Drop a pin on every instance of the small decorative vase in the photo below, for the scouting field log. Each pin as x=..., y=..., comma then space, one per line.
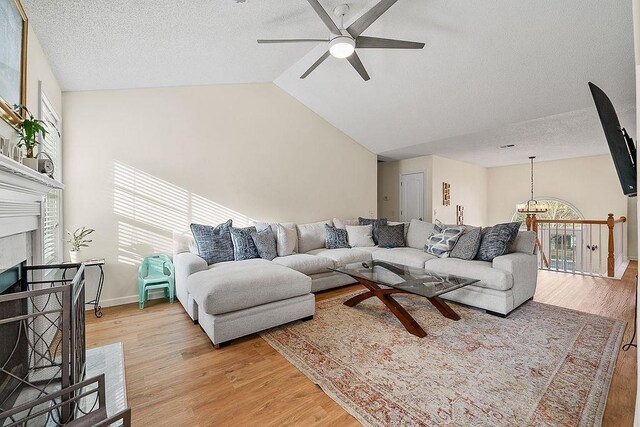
x=30, y=162
x=75, y=256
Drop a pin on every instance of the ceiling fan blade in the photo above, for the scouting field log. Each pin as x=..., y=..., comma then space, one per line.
x=354, y=60
x=324, y=16
x=263, y=41
x=369, y=17
x=364, y=42
x=315, y=65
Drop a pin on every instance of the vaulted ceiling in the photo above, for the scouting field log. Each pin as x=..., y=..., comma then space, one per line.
x=492, y=73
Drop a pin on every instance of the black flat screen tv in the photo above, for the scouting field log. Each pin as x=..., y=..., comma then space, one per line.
x=622, y=148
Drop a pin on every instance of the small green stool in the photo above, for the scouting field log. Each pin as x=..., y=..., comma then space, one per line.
x=156, y=272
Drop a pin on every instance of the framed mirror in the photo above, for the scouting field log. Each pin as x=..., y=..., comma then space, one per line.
x=13, y=59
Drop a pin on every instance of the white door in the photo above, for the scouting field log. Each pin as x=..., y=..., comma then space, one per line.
x=411, y=196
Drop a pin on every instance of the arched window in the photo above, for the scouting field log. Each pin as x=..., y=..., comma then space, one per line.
x=557, y=209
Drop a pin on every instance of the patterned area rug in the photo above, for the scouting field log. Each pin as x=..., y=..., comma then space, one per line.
x=543, y=365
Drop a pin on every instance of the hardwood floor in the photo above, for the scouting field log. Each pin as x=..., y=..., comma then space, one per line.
x=175, y=377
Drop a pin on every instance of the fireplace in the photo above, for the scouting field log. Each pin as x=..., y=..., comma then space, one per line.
x=14, y=352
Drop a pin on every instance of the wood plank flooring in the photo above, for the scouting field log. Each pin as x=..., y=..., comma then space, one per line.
x=175, y=377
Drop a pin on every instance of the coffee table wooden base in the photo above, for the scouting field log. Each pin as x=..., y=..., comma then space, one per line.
x=398, y=310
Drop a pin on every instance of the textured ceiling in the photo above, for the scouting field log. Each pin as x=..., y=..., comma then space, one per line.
x=492, y=73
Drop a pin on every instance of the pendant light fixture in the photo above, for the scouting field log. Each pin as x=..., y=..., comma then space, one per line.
x=532, y=206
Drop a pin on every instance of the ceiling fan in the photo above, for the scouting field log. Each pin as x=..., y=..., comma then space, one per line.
x=343, y=42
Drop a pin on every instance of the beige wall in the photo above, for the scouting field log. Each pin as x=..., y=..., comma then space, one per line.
x=588, y=183
x=140, y=164
x=468, y=188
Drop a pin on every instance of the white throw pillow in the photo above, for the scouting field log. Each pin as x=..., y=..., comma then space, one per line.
x=360, y=236
x=342, y=223
x=286, y=239
x=418, y=234
x=312, y=236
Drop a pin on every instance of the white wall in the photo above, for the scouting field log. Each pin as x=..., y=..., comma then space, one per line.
x=468, y=188
x=140, y=164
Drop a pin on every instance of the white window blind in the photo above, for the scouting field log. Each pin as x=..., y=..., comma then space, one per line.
x=51, y=233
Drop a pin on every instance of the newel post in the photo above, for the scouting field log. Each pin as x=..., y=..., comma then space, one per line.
x=611, y=259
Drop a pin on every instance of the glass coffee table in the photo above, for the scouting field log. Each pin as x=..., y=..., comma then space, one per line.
x=383, y=279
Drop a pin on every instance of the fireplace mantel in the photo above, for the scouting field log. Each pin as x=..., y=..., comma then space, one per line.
x=22, y=192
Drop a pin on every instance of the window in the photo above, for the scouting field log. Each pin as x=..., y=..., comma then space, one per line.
x=51, y=230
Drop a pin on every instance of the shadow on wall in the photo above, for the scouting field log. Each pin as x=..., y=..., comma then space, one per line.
x=149, y=210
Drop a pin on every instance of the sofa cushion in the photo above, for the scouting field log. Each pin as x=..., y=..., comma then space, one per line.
x=231, y=286
x=525, y=242
x=418, y=234
x=405, y=256
x=287, y=239
x=343, y=257
x=336, y=238
x=214, y=243
x=305, y=263
x=311, y=236
x=360, y=235
x=490, y=278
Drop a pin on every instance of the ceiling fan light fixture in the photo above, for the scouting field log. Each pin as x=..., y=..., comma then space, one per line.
x=342, y=47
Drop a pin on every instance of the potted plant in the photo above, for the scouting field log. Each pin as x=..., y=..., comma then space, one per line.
x=78, y=240
x=29, y=130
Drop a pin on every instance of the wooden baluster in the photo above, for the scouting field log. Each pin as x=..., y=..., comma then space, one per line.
x=611, y=259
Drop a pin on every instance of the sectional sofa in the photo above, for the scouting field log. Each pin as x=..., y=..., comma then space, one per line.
x=236, y=298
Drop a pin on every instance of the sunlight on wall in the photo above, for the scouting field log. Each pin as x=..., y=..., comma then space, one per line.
x=150, y=210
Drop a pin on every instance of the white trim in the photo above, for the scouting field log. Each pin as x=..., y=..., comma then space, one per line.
x=113, y=302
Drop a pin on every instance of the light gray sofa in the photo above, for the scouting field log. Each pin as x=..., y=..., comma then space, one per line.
x=237, y=298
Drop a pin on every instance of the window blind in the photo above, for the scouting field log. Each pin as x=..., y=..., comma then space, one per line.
x=50, y=144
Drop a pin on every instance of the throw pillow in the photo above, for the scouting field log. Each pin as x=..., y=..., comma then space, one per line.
x=265, y=242
x=336, y=238
x=391, y=236
x=243, y=246
x=360, y=236
x=287, y=239
x=497, y=240
x=467, y=246
x=214, y=243
x=442, y=240
x=375, y=223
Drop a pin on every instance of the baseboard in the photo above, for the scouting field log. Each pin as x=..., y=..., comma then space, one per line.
x=112, y=302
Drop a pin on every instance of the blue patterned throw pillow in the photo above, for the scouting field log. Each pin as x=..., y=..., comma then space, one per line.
x=243, y=246
x=265, y=242
x=468, y=244
x=335, y=238
x=214, y=243
x=391, y=236
x=497, y=240
x=442, y=240
x=375, y=223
